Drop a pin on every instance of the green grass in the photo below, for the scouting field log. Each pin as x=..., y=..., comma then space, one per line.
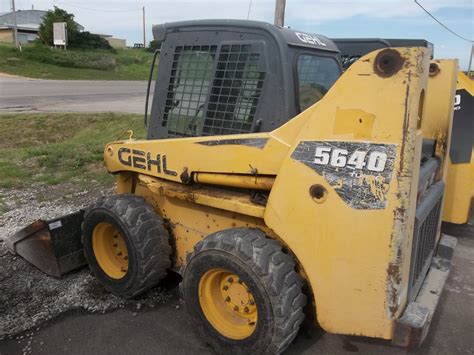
x=37, y=61
x=55, y=148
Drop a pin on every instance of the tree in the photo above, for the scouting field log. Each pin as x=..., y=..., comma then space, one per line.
x=57, y=15
x=154, y=45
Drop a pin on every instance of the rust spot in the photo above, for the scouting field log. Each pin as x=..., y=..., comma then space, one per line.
x=388, y=62
x=394, y=279
x=185, y=178
x=405, y=123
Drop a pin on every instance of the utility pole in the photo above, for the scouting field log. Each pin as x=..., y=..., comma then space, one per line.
x=280, y=13
x=470, y=62
x=144, y=37
x=15, y=26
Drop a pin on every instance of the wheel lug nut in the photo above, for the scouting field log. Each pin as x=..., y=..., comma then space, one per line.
x=225, y=288
x=230, y=279
x=236, y=308
x=246, y=310
x=227, y=299
x=252, y=302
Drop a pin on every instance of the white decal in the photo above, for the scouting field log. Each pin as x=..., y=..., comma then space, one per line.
x=339, y=158
x=457, y=102
x=321, y=156
x=310, y=39
x=55, y=225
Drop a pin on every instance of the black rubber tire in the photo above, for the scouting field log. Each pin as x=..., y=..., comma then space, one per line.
x=145, y=236
x=271, y=277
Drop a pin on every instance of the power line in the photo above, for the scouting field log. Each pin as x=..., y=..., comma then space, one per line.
x=100, y=10
x=443, y=25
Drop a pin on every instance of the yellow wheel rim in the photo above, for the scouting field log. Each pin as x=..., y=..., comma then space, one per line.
x=110, y=250
x=228, y=304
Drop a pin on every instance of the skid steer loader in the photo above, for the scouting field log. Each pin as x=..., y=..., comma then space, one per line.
x=334, y=215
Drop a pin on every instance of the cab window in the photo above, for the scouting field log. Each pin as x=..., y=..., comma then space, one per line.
x=316, y=75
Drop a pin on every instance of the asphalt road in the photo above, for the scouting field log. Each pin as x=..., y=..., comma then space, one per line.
x=35, y=95
x=166, y=329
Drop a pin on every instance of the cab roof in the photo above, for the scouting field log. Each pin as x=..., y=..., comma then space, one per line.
x=283, y=35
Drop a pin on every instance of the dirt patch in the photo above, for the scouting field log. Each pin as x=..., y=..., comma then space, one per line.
x=28, y=298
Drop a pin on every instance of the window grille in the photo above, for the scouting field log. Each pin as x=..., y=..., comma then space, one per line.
x=235, y=91
x=191, y=75
x=194, y=107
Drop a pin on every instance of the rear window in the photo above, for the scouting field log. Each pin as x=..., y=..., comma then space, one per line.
x=316, y=75
x=203, y=102
x=191, y=77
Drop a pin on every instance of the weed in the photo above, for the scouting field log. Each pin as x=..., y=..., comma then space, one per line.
x=38, y=61
x=57, y=148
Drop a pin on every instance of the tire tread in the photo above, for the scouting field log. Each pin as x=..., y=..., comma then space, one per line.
x=148, y=234
x=276, y=270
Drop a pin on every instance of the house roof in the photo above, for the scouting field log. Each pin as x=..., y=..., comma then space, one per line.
x=31, y=19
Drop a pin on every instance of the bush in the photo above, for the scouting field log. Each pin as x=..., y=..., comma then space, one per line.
x=71, y=59
x=87, y=40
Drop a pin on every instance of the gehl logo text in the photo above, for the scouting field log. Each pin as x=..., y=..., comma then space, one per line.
x=144, y=160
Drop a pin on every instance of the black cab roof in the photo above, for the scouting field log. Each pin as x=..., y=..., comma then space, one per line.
x=283, y=35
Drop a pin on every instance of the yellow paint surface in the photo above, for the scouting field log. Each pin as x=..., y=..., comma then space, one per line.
x=355, y=261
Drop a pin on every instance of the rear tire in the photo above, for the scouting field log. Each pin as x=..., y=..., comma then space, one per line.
x=126, y=244
x=233, y=271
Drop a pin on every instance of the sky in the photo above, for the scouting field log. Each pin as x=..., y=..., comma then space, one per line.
x=332, y=18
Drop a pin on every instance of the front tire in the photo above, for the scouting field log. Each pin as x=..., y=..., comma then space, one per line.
x=126, y=244
x=243, y=292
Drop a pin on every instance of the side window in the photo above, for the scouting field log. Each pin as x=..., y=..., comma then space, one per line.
x=316, y=75
x=191, y=76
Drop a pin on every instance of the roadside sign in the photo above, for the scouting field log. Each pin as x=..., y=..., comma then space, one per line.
x=60, y=33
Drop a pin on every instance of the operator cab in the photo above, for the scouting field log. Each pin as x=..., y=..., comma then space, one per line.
x=220, y=77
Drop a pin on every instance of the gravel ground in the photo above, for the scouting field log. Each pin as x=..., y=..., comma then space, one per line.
x=29, y=298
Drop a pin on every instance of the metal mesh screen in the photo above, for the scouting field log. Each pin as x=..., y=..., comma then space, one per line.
x=195, y=107
x=424, y=240
x=235, y=91
x=190, y=79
